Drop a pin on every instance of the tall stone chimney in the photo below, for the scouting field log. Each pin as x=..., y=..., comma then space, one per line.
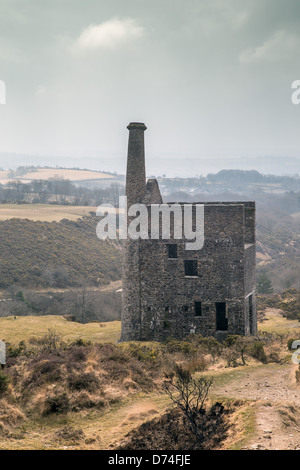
x=136, y=173
x=135, y=191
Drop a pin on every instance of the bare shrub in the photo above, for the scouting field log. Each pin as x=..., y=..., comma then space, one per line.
x=189, y=395
x=52, y=341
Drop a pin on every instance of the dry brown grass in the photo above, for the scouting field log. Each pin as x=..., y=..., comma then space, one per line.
x=71, y=378
x=10, y=416
x=128, y=379
x=15, y=329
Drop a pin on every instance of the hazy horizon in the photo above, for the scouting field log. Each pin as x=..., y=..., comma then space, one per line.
x=158, y=167
x=210, y=79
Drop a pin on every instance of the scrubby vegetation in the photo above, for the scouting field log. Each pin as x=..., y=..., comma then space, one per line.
x=56, y=190
x=43, y=254
x=171, y=431
x=288, y=302
x=50, y=378
x=80, y=304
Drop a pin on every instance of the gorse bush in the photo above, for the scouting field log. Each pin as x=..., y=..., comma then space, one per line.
x=257, y=351
x=144, y=353
x=185, y=347
x=4, y=382
x=15, y=351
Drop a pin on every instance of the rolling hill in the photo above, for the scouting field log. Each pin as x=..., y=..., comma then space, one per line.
x=59, y=254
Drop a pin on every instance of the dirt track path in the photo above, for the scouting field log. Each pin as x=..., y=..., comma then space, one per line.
x=272, y=382
x=277, y=404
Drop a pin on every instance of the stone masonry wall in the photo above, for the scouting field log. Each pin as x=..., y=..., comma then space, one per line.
x=166, y=298
x=160, y=298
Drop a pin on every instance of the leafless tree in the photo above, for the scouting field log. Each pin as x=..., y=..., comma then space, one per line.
x=83, y=303
x=190, y=395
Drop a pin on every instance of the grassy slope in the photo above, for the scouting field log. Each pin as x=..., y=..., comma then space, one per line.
x=16, y=329
x=101, y=428
x=29, y=248
x=274, y=322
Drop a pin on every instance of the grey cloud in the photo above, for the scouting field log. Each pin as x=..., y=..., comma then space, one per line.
x=209, y=77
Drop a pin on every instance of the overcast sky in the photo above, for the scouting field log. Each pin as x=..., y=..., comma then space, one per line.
x=210, y=78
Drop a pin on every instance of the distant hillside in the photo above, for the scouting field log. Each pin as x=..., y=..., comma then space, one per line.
x=59, y=254
x=244, y=182
x=44, y=212
x=238, y=175
x=36, y=173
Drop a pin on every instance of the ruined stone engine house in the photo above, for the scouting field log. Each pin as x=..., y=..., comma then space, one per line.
x=169, y=291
